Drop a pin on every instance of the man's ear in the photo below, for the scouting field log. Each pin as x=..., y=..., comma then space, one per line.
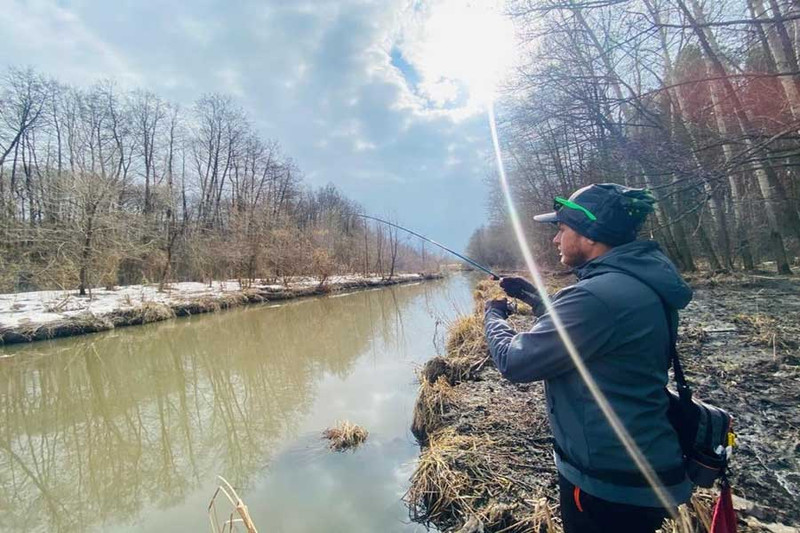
x=601, y=247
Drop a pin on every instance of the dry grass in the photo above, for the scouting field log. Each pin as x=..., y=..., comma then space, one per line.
x=454, y=369
x=212, y=304
x=233, y=299
x=486, y=290
x=693, y=517
x=440, y=484
x=433, y=402
x=480, y=468
x=155, y=312
x=466, y=351
x=763, y=330
x=455, y=483
x=436, y=367
x=239, y=508
x=345, y=436
x=465, y=339
x=542, y=517
x=205, y=304
x=82, y=323
x=58, y=306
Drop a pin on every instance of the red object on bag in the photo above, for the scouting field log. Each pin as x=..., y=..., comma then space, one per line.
x=724, y=520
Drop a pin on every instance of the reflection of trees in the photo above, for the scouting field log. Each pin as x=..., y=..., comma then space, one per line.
x=96, y=428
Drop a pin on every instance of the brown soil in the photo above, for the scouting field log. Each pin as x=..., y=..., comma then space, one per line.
x=486, y=460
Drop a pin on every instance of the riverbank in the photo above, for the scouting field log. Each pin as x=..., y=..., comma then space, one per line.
x=33, y=316
x=486, y=460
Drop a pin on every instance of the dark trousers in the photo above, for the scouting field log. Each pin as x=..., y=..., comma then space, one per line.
x=583, y=513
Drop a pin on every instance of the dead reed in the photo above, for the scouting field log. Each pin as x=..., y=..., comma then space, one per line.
x=239, y=508
x=345, y=436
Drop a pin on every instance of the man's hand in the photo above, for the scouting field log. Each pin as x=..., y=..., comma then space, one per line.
x=521, y=289
x=500, y=304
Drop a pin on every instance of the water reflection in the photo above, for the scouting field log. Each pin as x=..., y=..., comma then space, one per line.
x=99, y=430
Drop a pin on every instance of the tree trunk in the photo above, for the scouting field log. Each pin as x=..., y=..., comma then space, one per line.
x=86, y=253
x=781, y=58
x=764, y=172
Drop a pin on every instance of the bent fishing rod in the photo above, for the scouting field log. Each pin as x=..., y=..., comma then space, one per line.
x=443, y=247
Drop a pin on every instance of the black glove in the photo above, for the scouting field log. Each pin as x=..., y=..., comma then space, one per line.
x=523, y=290
x=500, y=305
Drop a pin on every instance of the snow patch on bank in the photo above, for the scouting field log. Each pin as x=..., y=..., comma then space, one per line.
x=32, y=309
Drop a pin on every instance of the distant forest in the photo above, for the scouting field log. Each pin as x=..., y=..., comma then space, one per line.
x=100, y=186
x=697, y=101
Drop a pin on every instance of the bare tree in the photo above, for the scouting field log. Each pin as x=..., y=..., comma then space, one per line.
x=104, y=186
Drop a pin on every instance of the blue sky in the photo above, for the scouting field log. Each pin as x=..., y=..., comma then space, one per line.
x=376, y=97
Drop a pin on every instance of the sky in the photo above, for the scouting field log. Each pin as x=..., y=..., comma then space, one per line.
x=385, y=98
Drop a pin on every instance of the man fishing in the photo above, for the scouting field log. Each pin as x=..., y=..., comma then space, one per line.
x=616, y=317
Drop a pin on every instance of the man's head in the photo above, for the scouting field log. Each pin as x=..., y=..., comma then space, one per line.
x=575, y=249
x=596, y=218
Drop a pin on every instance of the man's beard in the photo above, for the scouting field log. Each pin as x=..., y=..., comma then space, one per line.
x=575, y=259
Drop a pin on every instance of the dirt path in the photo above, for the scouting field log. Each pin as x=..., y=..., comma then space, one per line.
x=486, y=461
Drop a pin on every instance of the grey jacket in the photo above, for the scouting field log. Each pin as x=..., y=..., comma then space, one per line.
x=616, y=320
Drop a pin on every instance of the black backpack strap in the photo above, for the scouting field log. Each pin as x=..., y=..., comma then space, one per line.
x=684, y=391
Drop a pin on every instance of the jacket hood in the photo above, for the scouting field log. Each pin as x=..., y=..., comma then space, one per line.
x=644, y=261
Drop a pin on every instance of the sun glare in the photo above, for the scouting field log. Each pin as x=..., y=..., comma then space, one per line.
x=461, y=50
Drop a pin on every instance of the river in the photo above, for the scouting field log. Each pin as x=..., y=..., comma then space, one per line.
x=128, y=430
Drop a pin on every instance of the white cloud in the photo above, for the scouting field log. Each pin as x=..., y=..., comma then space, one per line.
x=231, y=79
x=60, y=43
x=360, y=145
x=452, y=161
x=200, y=31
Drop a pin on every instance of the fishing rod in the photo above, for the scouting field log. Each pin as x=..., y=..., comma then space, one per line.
x=443, y=247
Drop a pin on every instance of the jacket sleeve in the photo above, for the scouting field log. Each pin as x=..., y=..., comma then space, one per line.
x=540, y=354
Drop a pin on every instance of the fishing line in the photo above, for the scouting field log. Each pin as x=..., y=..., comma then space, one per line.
x=442, y=246
x=616, y=424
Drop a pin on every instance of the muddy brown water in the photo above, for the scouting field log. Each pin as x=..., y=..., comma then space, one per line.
x=127, y=430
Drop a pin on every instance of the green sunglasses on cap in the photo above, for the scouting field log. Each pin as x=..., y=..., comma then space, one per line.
x=560, y=202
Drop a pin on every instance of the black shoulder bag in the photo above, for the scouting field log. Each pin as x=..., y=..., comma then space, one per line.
x=704, y=431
